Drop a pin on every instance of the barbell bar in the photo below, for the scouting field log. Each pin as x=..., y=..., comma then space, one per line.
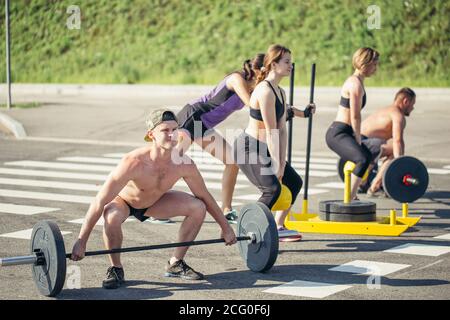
x=257, y=238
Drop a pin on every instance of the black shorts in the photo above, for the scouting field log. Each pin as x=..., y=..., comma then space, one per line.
x=189, y=120
x=137, y=213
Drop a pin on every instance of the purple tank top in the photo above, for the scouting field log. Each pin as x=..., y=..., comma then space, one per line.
x=218, y=104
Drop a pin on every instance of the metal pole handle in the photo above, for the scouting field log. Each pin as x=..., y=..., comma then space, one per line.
x=308, y=142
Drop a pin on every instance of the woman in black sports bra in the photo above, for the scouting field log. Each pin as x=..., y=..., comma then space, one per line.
x=344, y=134
x=260, y=151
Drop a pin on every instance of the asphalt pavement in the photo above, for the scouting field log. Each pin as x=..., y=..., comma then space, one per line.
x=79, y=132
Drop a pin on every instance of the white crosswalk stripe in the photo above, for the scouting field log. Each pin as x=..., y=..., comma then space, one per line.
x=45, y=196
x=24, y=210
x=58, y=165
x=25, y=234
x=53, y=174
x=50, y=184
x=438, y=171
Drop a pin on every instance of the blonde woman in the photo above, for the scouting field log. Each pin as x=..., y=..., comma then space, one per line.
x=344, y=134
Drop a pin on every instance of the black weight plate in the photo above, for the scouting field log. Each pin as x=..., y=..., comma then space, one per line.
x=348, y=217
x=338, y=206
x=261, y=255
x=51, y=275
x=393, y=179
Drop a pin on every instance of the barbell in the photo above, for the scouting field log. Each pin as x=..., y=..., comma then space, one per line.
x=404, y=180
x=257, y=238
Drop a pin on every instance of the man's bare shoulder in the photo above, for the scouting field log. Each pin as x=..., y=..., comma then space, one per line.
x=135, y=158
x=395, y=113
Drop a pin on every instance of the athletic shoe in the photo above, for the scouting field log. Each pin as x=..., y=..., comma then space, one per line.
x=181, y=270
x=231, y=216
x=159, y=221
x=286, y=235
x=363, y=188
x=114, y=278
x=377, y=194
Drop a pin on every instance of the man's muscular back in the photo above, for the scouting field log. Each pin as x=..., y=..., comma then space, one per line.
x=381, y=123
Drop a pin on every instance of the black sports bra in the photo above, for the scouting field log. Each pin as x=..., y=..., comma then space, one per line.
x=345, y=102
x=279, y=107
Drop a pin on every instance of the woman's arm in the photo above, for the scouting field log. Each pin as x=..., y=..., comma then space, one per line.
x=238, y=84
x=266, y=100
x=295, y=112
x=355, y=96
x=283, y=140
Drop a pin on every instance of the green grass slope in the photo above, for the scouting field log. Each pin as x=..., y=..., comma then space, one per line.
x=198, y=41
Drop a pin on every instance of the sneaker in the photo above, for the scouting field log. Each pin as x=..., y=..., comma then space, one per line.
x=231, y=216
x=181, y=270
x=363, y=189
x=286, y=235
x=114, y=278
x=159, y=221
x=377, y=194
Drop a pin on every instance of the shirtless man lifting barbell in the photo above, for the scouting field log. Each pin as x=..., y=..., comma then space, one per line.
x=384, y=129
x=141, y=186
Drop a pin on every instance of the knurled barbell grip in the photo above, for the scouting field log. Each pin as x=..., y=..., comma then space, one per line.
x=159, y=246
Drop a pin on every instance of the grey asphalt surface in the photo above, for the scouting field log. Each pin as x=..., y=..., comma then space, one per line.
x=92, y=125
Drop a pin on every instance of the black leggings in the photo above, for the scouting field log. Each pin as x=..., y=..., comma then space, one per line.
x=253, y=158
x=340, y=139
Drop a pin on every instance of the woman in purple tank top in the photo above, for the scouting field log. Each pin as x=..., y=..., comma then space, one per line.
x=198, y=119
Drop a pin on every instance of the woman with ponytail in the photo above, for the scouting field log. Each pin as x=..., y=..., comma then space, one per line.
x=198, y=119
x=260, y=151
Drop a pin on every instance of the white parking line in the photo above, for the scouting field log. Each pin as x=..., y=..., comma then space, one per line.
x=58, y=165
x=438, y=171
x=25, y=234
x=24, y=210
x=308, y=289
x=89, y=160
x=420, y=249
x=45, y=196
x=332, y=185
x=443, y=237
x=50, y=184
x=53, y=174
x=370, y=267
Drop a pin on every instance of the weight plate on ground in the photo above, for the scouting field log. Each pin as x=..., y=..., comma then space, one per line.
x=348, y=217
x=399, y=168
x=338, y=206
x=355, y=211
x=51, y=275
x=261, y=255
